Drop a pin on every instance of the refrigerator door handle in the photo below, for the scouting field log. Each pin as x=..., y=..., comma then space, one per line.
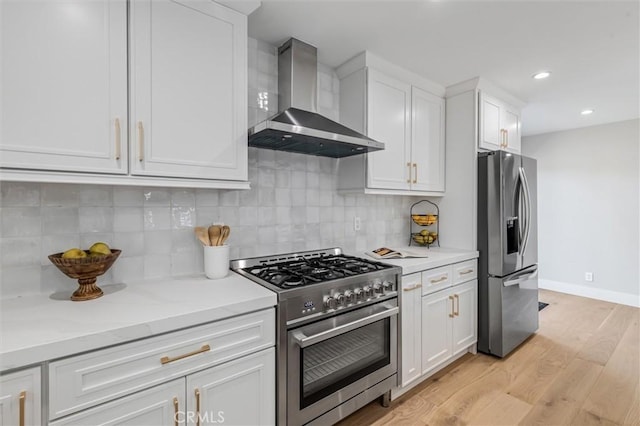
x=527, y=206
x=520, y=278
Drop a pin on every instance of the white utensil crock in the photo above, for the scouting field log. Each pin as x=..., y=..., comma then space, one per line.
x=216, y=261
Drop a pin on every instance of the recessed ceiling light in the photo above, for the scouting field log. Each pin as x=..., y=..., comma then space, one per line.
x=541, y=75
x=587, y=112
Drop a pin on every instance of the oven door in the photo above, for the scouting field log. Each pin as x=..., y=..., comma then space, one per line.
x=333, y=360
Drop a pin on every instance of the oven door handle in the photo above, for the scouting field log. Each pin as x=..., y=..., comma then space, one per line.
x=303, y=340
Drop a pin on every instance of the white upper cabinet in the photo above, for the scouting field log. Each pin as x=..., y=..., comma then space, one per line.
x=427, y=141
x=389, y=121
x=63, y=85
x=189, y=90
x=405, y=112
x=499, y=124
x=73, y=71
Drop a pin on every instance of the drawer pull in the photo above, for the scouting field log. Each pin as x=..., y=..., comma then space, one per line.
x=176, y=408
x=197, y=407
x=468, y=271
x=457, y=311
x=442, y=278
x=412, y=287
x=166, y=359
x=452, y=307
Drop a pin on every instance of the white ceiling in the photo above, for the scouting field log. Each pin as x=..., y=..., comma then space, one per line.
x=592, y=48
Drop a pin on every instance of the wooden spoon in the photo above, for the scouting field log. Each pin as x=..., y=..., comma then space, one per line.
x=225, y=234
x=214, y=234
x=202, y=235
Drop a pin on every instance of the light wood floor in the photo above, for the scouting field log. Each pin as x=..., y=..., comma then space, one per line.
x=582, y=367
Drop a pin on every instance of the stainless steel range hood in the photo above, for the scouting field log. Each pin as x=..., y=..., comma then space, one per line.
x=298, y=127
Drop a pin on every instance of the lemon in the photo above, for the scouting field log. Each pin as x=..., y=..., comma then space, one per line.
x=74, y=253
x=100, y=249
x=424, y=233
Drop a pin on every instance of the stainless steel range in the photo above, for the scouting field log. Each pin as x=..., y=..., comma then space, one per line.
x=337, y=341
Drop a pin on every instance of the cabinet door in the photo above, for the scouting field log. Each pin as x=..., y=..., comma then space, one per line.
x=20, y=398
x=160, y=405
x=189, y=90
x=411, y=328
x=437, y=312
x=465, y=320
x=427, y=141
x=240, y=392
x=63, y=85
x=511, y=123
x=388, y=121
x=490, y=133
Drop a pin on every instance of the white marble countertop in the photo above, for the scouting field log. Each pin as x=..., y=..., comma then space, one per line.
x=38, y=328
x=437, y=256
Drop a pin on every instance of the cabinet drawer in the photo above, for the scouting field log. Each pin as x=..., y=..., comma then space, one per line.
x=465, y=271
x=436, y=279
x=82, y=381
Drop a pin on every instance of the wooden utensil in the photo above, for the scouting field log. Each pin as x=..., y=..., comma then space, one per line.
x=203, y=235
x=225, y=234
x=214, y=234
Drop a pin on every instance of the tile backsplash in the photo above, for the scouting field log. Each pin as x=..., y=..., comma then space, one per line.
x=292, y=205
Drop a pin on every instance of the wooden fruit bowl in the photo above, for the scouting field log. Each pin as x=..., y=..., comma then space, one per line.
x=86, y=270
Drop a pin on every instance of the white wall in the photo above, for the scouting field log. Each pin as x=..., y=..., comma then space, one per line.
x=588, y=190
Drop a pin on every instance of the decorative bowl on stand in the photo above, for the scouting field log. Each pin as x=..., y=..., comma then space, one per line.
x=86, y=270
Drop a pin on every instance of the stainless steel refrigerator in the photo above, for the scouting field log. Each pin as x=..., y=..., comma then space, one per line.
x=508, y=246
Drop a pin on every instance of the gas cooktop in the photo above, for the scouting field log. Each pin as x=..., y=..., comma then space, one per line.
x=290, y=271
x=307, y=270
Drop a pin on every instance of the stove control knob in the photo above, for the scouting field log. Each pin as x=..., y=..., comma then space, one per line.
x=368, y=291
x=359, y=294
x=377, y=289
x=387, y=286
x=349, y=296
x=330, y=303
x=340, y=299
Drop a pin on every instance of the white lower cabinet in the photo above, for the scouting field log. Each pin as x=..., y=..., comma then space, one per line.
x=410, y=323
x=240, y=392
x=221, y=372
x=436, y=329
x=439, y=320
x=20, y=402
x=449, y=323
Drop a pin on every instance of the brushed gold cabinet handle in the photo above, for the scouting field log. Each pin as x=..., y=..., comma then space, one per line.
x=457, y=311
x=412, y=288
x=197, y=407
x=118, y=138
x=140, y=141
x=442, y=278
x=415, y=170
x=175, y=410
x=452, y=307
x=409, y=165
x=166, y=359
x=23, y=397
x=468, y=271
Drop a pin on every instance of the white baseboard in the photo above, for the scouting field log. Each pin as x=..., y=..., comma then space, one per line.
x=628, y=299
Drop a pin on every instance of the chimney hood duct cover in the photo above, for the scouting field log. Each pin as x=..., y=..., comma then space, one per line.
x=297, y=127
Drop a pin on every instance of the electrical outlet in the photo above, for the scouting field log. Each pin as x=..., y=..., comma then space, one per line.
x=588, y=276
x=356, y=223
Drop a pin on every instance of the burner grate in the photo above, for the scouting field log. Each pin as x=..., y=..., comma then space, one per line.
x=307, y=270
